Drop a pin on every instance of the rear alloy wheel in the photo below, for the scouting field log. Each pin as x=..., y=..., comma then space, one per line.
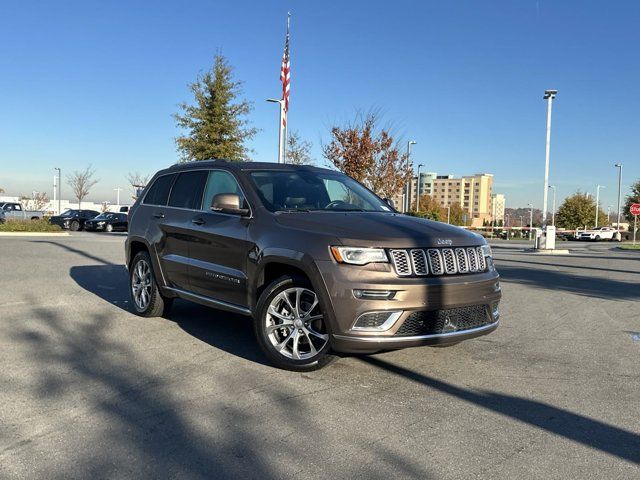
x=145, y=295
x=290, y=325
x=75, y=226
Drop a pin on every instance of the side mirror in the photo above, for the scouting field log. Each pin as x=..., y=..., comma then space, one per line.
x=228, y=203
x=389, y=202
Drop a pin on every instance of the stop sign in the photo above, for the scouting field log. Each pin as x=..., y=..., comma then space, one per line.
x=635, y=209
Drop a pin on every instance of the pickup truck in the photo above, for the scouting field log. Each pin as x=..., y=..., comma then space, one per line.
x=14, y=211
x=599, y=233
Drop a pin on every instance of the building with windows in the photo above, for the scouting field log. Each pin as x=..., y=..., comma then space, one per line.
x=497, y=209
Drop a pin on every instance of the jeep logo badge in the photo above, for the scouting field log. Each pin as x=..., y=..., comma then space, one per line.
x=444, y=241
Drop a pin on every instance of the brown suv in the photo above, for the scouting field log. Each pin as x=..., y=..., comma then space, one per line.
x=319, y=261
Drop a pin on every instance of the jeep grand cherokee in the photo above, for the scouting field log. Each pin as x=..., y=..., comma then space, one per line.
x=320, y=262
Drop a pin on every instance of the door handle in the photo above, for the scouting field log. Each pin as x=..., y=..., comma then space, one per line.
x=158, y=215
x=198, y=221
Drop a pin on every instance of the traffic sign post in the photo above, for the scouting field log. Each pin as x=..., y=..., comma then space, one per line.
x=635, y=211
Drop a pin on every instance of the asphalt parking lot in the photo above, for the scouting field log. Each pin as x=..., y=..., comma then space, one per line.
x=90, y=390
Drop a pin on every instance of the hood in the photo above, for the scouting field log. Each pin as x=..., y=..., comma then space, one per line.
x=378, y=229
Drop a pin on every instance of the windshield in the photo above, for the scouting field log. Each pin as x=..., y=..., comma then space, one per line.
x=307, y=190
x=104, y=216
x=68, y=213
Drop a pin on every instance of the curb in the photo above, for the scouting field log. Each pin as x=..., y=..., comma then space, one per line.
x=34, y=234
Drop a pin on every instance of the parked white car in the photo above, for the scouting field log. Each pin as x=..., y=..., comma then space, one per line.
x=599, y=233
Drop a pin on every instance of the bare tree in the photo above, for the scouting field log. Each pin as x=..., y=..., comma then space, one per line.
x=1, y=190
x=137, y=182
x=369, y=155
x=37, y=201
x=81, y=182
x=298, y=150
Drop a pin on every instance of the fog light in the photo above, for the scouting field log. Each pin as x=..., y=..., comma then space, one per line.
x=376, y=321
x=374, y=294
x=495, y=311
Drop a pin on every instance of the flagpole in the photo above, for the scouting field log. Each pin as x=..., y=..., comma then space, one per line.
x=285, y=125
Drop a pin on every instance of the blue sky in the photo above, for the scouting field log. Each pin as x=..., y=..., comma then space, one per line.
x=97, y=82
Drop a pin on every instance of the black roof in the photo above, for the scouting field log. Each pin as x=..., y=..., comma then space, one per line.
x=244, y=166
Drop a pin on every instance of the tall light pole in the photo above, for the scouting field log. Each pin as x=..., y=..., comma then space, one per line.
x=531, y=220
x=553, y=208
x=521, y=217
x=608, y=213
x=118, y=195
x=407, y=189
x=619, y=167
x=59, y=189
x=449, y=212
x=549, y=95
x=418, y=189
x=598, y=187
x=281, y=141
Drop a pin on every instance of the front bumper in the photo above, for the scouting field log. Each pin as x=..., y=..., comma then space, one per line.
x=414, y=294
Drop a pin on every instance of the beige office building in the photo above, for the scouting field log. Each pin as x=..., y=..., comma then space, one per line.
x=473, y=193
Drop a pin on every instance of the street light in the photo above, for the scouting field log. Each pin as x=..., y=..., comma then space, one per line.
x=598, y=187
x=449, y=212
x=531, y=220
x=281, y=148
x=59, y=189
x=118, y=195
x=549, y=95
x=408, y=187
x=608, y=213
x=521, y=217
x=553, y=210
x=418, y=189
x=619, y=167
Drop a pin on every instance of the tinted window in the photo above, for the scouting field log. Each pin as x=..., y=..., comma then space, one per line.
x=220, y=182
x=314, y=190
x=187, y=190
x=158, y=194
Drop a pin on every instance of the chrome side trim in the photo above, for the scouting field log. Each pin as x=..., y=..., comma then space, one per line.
x=393, y=339
x=394, y=315
x=209, y=301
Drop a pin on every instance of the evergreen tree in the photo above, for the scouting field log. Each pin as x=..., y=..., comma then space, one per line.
x=216, y=124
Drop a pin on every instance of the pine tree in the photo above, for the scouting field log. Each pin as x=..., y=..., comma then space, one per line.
x=216, y=125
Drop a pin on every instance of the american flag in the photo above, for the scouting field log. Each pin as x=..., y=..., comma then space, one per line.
x=285, y=76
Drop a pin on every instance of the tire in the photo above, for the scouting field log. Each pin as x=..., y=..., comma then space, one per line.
x=75, y=226
x=108, y=228
x=597, y=238
x=143, y=289
x=302, y=343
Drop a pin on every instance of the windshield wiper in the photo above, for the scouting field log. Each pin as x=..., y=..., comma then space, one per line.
x=292, y=210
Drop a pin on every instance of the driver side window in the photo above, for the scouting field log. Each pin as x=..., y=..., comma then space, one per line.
x=220, y=181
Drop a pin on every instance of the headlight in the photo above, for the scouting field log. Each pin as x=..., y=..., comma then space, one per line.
x=359, y=255
x=486, y=250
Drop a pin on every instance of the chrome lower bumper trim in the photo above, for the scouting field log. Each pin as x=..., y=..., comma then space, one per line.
x=393, y=339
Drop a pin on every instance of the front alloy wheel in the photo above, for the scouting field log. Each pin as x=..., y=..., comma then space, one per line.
x=291, y=326
x=145, y=294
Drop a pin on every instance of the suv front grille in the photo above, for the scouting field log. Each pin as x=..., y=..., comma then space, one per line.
x=438, y=261
x=445, y=321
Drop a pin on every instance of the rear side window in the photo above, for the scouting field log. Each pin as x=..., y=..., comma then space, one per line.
x=187, y=190
x=158, y=194
x=220, y=182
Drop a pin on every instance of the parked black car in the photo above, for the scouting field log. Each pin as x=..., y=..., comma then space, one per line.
x=74, y=220
x=108, y=222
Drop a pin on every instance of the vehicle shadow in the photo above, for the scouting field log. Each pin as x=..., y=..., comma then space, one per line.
x=127, y=418
x=578, y=428
x=227, y=331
